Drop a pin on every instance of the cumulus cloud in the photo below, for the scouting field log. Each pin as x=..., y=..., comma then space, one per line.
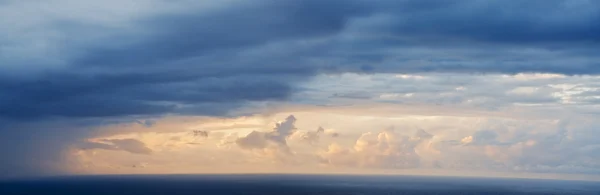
x=278, y=136
x=385, y=149
x=522, y=149
x=254, y=140
x=511, y=147
x=313, y=137
x=479, y=144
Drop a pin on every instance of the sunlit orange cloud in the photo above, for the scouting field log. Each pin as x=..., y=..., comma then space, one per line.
x=455, y=143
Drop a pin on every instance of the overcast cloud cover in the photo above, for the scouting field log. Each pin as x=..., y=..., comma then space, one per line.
x=68, y=66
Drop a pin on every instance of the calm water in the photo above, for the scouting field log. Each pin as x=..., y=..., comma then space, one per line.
x=290, y=185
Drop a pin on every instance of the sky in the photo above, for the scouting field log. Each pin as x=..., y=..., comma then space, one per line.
x=436, y=87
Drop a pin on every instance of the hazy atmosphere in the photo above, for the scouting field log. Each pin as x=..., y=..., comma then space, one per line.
x=490, y=88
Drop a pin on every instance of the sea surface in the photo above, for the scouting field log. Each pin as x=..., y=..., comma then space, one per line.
x=289, y=185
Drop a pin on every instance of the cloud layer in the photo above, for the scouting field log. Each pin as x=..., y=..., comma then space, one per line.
x=149, y=58
x=446, y=143
x=84, y=65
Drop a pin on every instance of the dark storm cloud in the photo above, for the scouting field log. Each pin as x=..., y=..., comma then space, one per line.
x=101, y=96
x=183, y=58
x=515, y=22
x=178, y=36
x=490, y=36
x=250, y=52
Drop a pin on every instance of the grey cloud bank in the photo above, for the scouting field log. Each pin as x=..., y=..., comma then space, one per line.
x=163, y=59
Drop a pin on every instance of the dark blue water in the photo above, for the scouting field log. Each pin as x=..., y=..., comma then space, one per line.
x=290, y=185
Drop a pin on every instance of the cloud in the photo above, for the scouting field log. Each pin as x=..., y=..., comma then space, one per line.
x=278, y=136
x=520, y=147
x=528, y=92
x=171, y=60
x=128, y=145
x=506, y=145
x=200, y=133
x=96, y=145
x=496, y=21
x=385, y=149
x=66, y=60
x=509, y=145
x=254, y=140
x=147, y=123
x=484, y=137
x=310, y=137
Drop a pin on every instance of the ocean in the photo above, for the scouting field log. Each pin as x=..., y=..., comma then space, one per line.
x=256, y=184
